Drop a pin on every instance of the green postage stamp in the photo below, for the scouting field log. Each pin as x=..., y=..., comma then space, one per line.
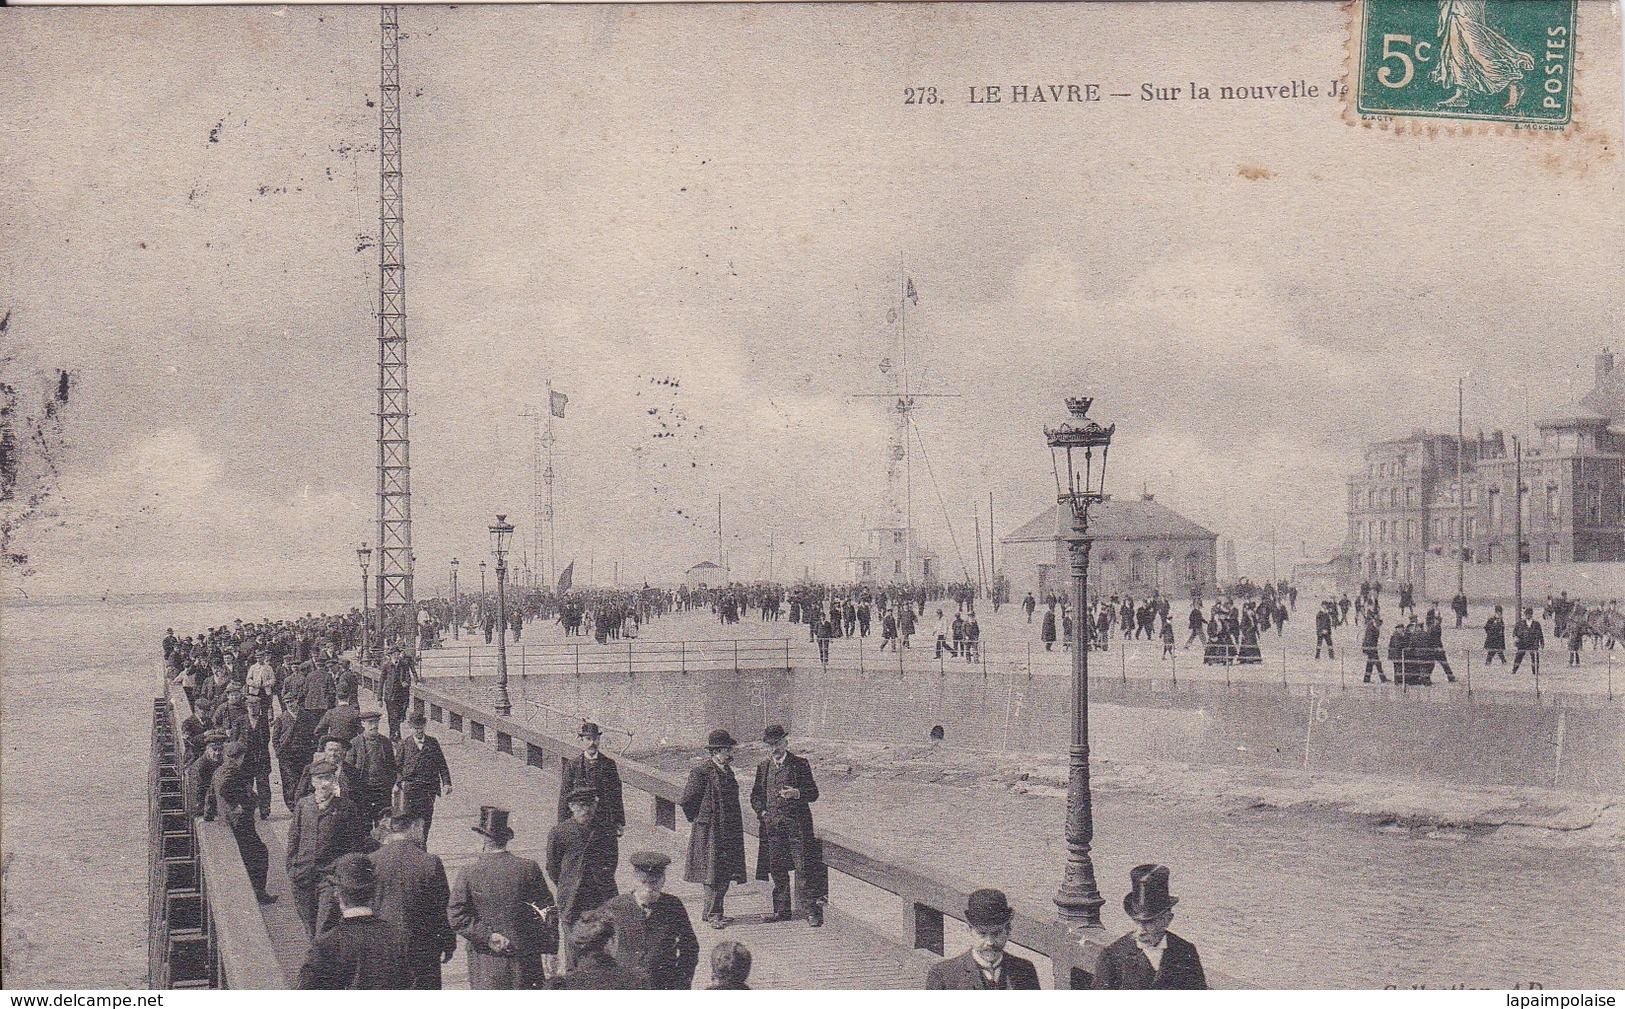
x=1508, y=61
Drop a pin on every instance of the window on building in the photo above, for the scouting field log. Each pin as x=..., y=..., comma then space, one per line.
x=897, y=537
x=1450, y=526
x=925, y=569
x=1472, y=527
x=1495, y=508
x=897, y=567
x=1193, y=568
x=1410, y=496
x=1551, y=503
x=1410, y=530
x=1551, y=552
x=1594, y=503
x=868, y=569
x=1136, y=568
x=1393, y=497
x=1370, y=499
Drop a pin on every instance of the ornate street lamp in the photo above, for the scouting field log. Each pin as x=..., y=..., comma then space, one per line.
x=1080, y=481
x=456, y=620
x=363, y=554
x=501, y=533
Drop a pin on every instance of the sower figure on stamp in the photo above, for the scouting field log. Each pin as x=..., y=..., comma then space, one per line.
x=716, y=843
x=1151, y=956
x=502, y=906
x=985, y=966
x=594, y=770
x=780, y=795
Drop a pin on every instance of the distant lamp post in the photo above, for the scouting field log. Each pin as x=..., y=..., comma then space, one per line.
x=363, y=554
x=482, y=583
x=501, y=534
x=1080, y=481
x=456, y=620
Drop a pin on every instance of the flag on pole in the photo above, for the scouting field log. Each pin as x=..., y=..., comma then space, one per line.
x=567, y=576
x=555, y=403
x=913, y=295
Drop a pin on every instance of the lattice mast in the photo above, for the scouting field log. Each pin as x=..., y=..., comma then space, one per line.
x=396, y=609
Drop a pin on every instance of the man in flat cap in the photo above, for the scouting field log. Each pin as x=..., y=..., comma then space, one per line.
x=985, y=966
x=653, y=932
x=423, y=773
x=342, y=720
x=1151, y=956
x=362, y=949
x=326, y=826
x=413, y=892
x=592, y=769
x=200, y=775
x=502, y=906
x=716, y=842
x=785, y=840
x=373, y=758
x=336, y=751
x=574, y=857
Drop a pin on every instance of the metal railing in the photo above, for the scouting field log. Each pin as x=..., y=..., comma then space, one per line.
x=628, y=655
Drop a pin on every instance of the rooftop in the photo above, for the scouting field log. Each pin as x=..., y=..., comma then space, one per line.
x=1117, y=519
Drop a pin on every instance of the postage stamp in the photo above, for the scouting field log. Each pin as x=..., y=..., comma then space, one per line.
x=1505, y=61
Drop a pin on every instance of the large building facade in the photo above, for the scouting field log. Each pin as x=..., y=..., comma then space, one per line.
x=1407, y=502
x=1140, y=547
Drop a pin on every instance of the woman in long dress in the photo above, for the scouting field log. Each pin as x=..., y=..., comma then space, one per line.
x=1473, y=57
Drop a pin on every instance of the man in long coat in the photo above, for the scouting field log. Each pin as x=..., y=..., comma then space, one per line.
x=1151, y=956
x=653, y=933
x=413, y=893
x=574, y=855
x=502, y=906
x=326, y=826
x=716, y=842
x=592, y=769
x=423, y=772
x=780, y=795
x=396, y=690
x=362, y=949
x=373, y=757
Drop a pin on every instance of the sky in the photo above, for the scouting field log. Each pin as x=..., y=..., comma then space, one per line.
x=696, y=222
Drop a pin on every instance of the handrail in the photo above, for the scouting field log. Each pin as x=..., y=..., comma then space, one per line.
x=933, y=897
x=241, y=950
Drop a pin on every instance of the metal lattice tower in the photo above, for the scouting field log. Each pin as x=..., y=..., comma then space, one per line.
x=396, y=611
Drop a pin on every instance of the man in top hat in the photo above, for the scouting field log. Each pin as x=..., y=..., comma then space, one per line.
x=326, y=826
x=593, y=770
x=780, y=795
x=362, y=949
x=574, y=855
x=653, y=932
x=413, y=892
x=373, y=757
x=423, y=773
x=1151, y=956
x=234, y=797
x=502, y=906
x=985, y=966
x=716, y=842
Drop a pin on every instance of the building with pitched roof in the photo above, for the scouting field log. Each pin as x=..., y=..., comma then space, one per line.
x=1140, y=547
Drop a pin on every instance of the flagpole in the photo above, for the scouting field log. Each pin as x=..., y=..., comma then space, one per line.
x=908, y=448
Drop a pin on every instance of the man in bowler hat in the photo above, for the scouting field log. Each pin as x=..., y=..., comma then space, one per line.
x=422, y=771
x=361, y=950
x=653, y=932
x=502, y=906
x=985, y=966
x=780, y=795
x=592, y=769
x=1151, y=956
x=716, y=842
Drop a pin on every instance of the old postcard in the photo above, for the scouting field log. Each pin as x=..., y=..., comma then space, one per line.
x=814, y=496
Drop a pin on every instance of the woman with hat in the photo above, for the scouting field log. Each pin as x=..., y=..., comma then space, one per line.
x=1151, y=956
x=985, y=966
x=716, y=843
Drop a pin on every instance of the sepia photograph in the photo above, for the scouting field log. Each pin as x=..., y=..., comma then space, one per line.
x=1108, y=495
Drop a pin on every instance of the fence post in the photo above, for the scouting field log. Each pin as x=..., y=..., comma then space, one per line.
x=522, y=672
x=471, y=662
x=736, y=655
x=629, y=669
x=860, y=657
x=1174, y=665
x=1283, y=665
x=578, y=658
x=1469, y=676
x=682, y=656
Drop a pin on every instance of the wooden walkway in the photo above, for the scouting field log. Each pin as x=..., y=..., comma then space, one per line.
x=787, y=955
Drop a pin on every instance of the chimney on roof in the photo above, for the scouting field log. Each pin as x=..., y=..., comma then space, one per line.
x=1605, y=366
x=1147, y=496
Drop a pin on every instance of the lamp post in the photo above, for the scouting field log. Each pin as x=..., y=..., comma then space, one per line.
x=456, y=619
x=363, y=554
x=1073, y=445
x=501, y=533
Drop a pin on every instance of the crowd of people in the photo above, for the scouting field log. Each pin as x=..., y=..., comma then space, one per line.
x=382, y=912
